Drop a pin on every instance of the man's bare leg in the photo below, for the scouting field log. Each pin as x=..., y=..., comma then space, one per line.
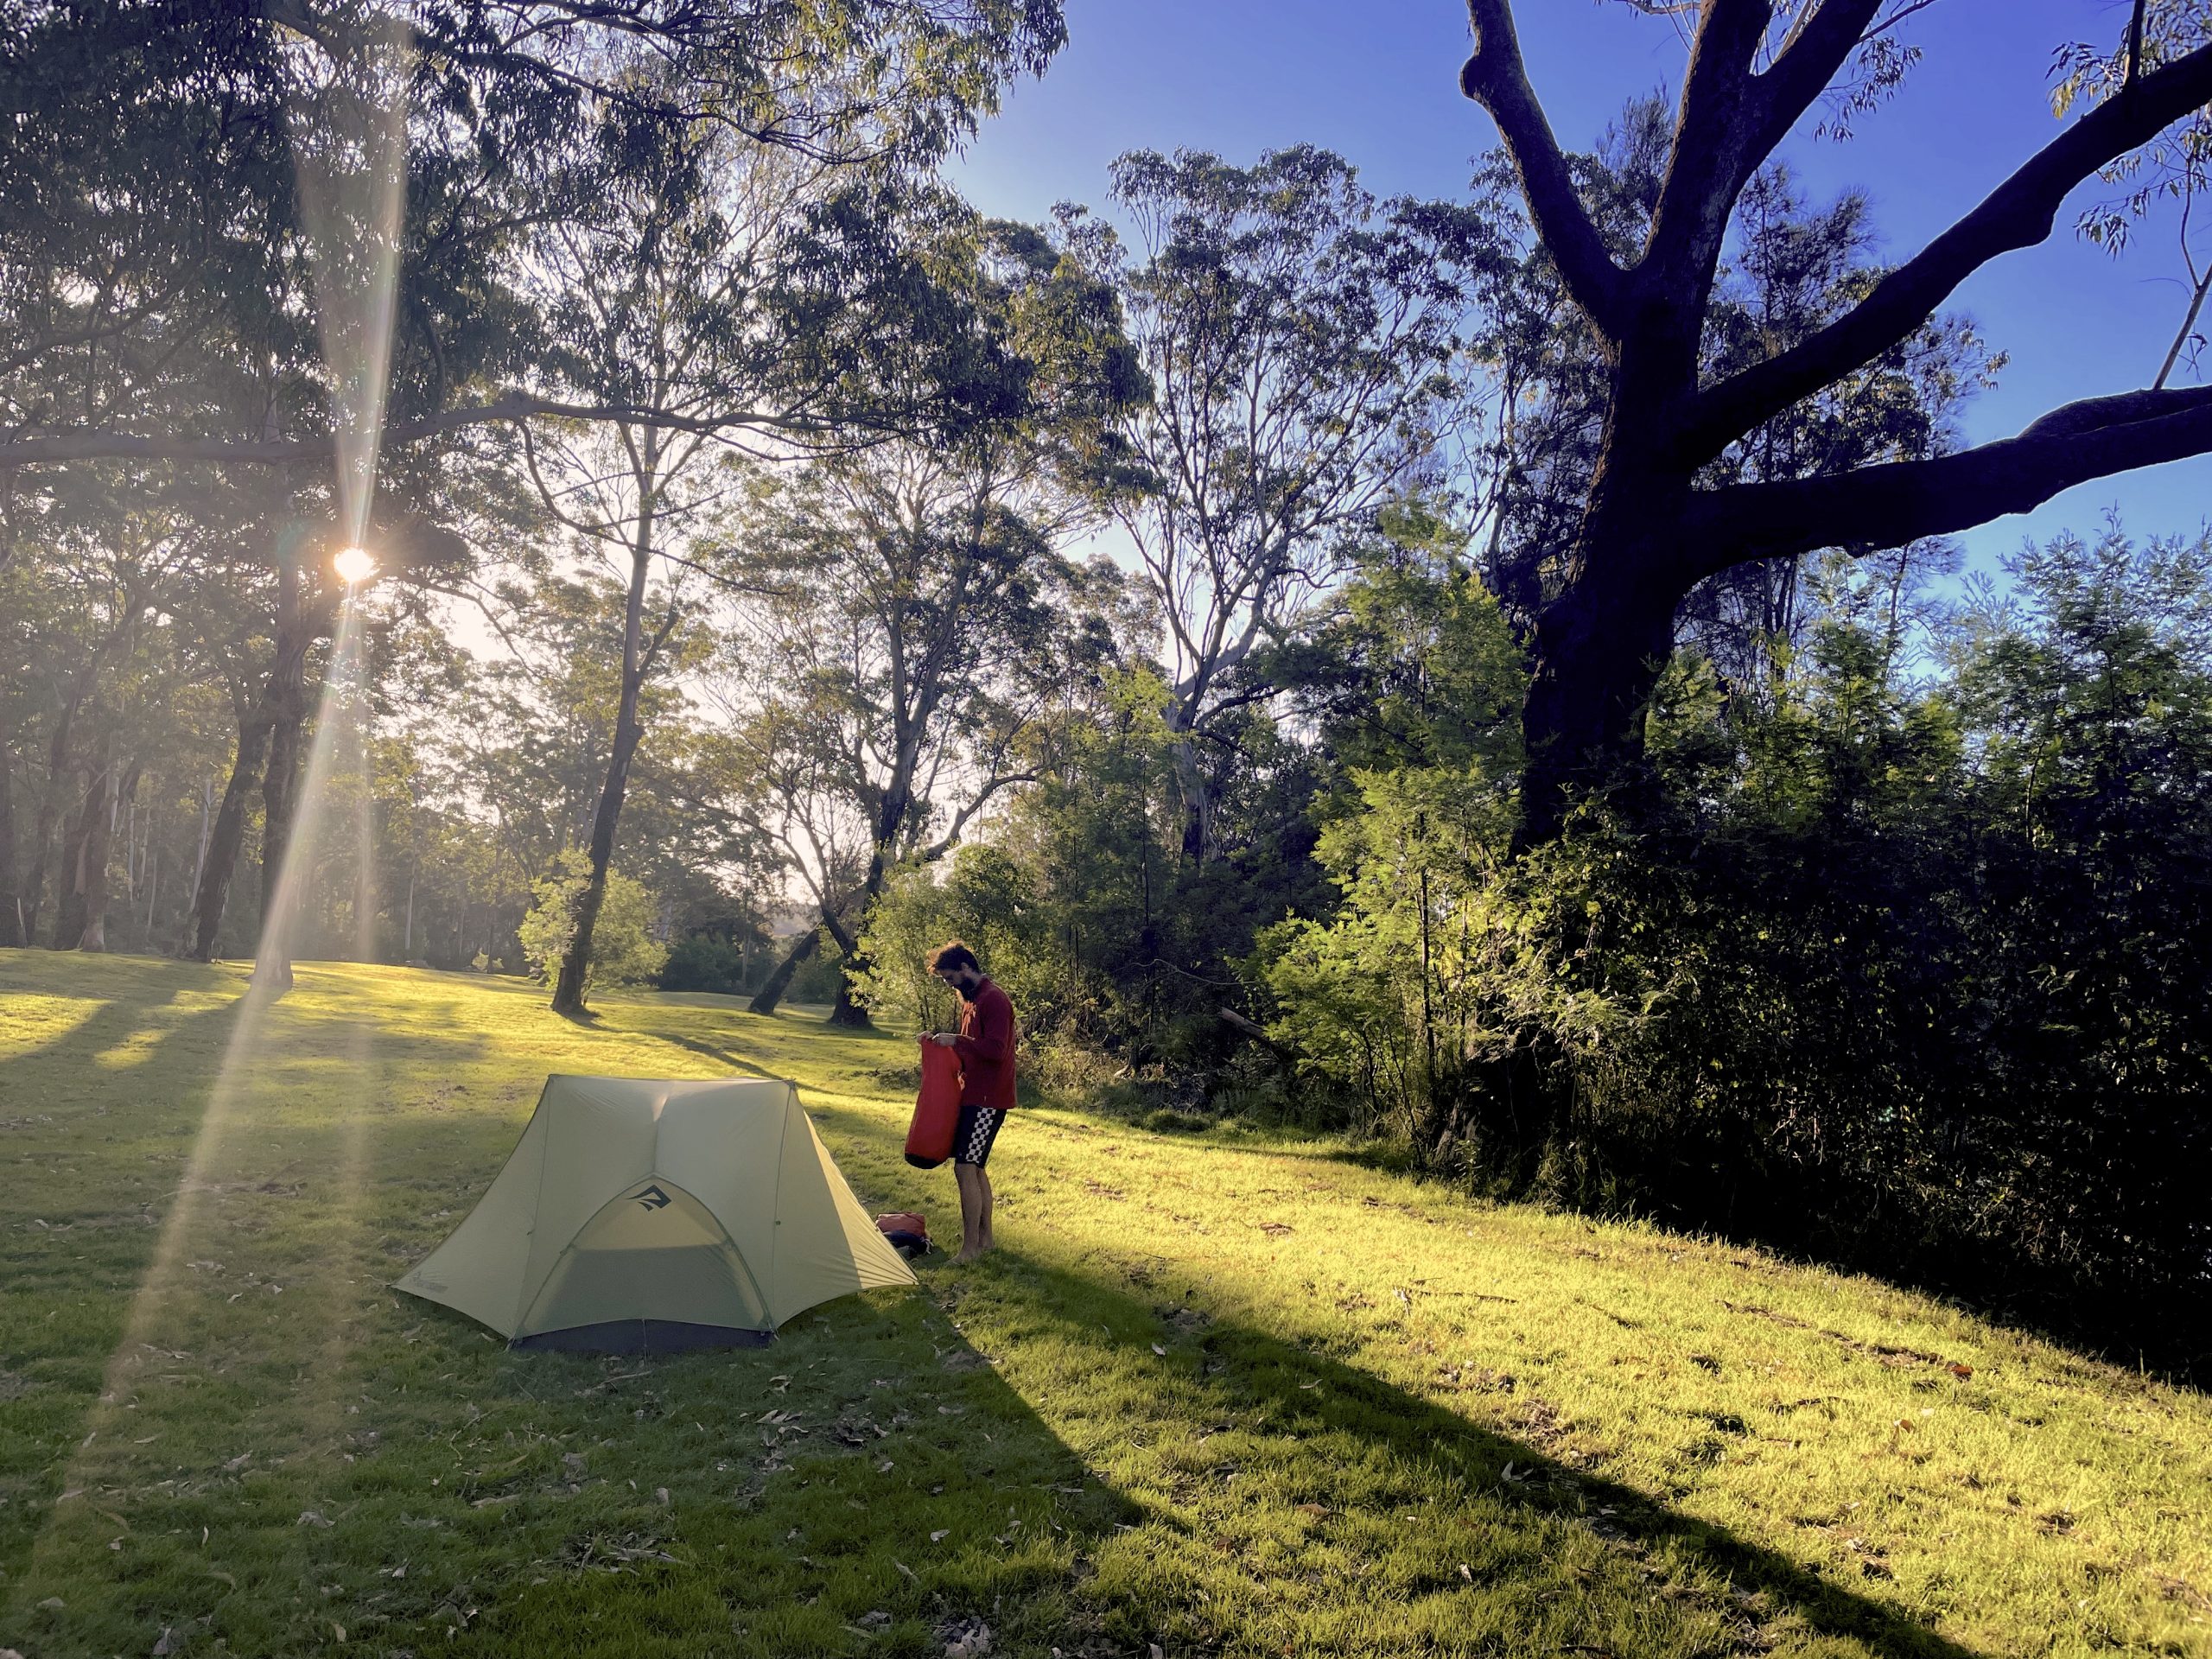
x=974, y=1212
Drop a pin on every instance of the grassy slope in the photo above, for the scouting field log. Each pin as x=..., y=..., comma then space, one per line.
x=1402, y=1424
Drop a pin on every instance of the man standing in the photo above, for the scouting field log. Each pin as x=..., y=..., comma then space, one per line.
x=985, y=1044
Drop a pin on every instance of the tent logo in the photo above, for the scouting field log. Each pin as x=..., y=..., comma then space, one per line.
x=654, y=1199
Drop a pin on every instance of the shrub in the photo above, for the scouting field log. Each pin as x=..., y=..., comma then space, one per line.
x=623, y=950
x=704, y=962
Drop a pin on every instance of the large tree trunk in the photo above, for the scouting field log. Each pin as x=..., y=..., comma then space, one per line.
x=89, y=819
x=891, y=818
x=772, y=993
x=1601, y=646
x=11, y=914
x=576, y=961
x=90, y=880
x=49, y=808
x=1197, y=792
x=843, y=1010
x=288, y=713
x=220, y=850
x=1648, y=536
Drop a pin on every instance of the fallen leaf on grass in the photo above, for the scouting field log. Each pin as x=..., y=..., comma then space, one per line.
x=161, y=1649
x=238, y=1462
x=1960, y=1369
x=313, y=1518
x=1161, y=1351
x=1317, y=1511
x=1466, y=1572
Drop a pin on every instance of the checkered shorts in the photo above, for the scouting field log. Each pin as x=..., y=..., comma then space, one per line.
x=978, y=1126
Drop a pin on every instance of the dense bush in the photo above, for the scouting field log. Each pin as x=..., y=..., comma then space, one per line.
x=624, y=952
x=1921, y=977
x=705, y=962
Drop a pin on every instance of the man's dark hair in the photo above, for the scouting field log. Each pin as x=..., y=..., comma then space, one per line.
x=951, y=957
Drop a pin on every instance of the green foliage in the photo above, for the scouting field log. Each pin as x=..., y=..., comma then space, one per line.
x=1418, y=685
x=984, y=897
x=1914, y=974
x=705, y=962
x=624, y=952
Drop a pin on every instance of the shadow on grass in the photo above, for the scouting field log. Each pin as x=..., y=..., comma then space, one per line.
x=720, y=1056
x=1295, y=1426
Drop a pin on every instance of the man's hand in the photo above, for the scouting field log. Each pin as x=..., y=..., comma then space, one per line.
x=943, y=1038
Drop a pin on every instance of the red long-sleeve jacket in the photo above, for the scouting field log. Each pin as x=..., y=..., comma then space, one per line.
x=986, y=1047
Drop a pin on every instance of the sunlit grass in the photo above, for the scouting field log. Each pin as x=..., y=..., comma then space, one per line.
x=1225, y=1396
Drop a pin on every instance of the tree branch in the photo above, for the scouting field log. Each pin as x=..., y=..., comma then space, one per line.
x=1496, y=78
x=1705, y=172
x=1786, y=88
x=2019, y=213
x=276, y=452
x=1900, y=502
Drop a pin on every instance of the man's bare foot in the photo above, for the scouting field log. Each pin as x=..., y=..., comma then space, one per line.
x=969, y=1255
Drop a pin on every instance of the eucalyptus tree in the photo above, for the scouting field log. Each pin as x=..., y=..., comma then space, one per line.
x=1655, y=518
x=109, y=556
x=1302, y=338
x=915, y=603
x=659, y=287
x=155, y=296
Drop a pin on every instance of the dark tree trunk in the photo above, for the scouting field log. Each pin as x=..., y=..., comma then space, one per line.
x=1600, y=648
x=891, y=818
x=219, y=860
x=49, y=808
x=90, y=818
x=288, y=713
x=90, y=876
x=576, y=961
x=1196, y=789
x=802, y=951
x=11, y=914
x=843, y=1011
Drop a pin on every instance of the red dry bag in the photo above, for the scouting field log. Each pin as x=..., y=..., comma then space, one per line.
x=937, y=1107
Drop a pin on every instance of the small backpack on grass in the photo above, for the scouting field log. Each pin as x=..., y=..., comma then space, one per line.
x=908, y=1232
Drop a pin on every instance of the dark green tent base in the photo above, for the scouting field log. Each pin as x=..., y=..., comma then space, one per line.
x=644, y=1337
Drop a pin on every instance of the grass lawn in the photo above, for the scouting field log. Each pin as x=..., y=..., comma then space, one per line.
x=1216, y=1395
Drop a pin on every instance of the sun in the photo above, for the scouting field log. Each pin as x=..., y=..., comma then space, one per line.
x=355, y=565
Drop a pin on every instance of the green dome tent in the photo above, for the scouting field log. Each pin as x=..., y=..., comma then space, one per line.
x=638, y=1215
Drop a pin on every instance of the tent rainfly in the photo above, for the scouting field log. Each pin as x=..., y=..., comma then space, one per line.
x=644, y=1215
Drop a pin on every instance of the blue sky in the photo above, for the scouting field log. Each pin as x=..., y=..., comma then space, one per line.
x=1377, y=81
